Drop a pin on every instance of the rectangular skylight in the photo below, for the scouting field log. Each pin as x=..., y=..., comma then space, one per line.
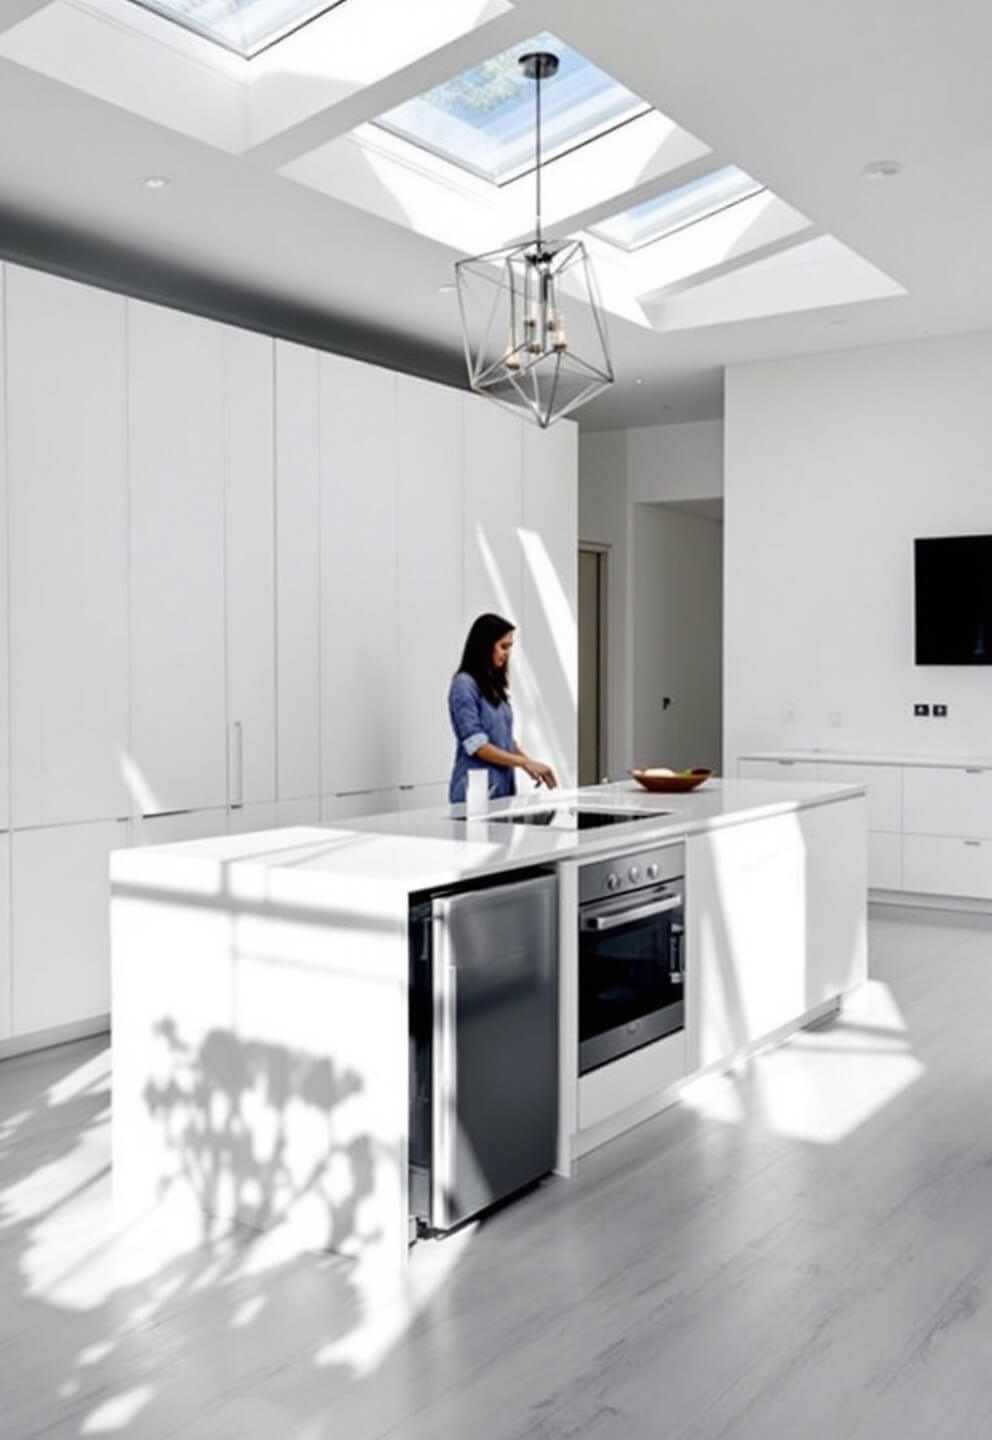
x=674, y=209
x=483, y=119
x=244, y=26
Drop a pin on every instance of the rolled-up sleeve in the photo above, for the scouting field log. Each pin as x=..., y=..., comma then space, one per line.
x=466, y=714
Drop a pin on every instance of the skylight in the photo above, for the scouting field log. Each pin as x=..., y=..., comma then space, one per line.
x=674, y=209
x=244, y=26
x=483, y=119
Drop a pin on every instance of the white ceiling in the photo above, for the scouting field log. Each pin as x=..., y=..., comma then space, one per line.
x=799, y=94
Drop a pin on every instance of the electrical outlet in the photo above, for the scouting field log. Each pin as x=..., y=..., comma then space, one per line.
x=921, y=709
x=940, y=711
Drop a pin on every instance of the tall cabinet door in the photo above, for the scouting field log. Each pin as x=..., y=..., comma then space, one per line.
x=493, y=511
x=250, y=567
x=179, y=740
x=548, y=653
x=297, y=552
x=429, y=520
x=360, y=704
x=61, y=923
x=67, y=478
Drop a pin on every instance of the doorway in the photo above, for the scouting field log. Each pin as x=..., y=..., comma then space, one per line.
x=593, y=562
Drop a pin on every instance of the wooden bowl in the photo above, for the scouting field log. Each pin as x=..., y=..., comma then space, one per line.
x=659, y=778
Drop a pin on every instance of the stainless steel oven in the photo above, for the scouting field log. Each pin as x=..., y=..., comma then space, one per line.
x=631, y=956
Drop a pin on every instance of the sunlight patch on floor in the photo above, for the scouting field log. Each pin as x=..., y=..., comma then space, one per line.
x=824, y=1082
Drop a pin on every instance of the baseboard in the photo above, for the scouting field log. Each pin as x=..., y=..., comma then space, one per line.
x=57, y=1035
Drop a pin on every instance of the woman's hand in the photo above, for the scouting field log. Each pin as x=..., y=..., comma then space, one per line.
x=540, y=773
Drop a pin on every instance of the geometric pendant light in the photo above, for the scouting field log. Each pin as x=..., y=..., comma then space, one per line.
x=532, y=320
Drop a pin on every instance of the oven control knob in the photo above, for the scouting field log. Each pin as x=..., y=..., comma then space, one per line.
x=653, y=872
x=612, y=881
x=634, y=874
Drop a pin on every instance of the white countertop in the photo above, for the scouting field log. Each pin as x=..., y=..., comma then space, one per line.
x=422, y=849
x=866, y=757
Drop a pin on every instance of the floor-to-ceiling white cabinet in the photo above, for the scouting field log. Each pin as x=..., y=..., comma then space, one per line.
x=297, y=560
x=240, y=576
x=68, y=585
x=178, y=758
x=430, y=628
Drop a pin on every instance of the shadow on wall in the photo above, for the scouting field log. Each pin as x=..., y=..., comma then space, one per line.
x=249, y=1127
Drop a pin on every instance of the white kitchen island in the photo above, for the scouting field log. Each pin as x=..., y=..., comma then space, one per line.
x=260, y=991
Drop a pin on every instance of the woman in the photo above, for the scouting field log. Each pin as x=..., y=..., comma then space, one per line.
x=481, y=716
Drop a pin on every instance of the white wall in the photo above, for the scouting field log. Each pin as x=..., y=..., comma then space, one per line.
x=677, y=632
x=834, y=464
x=620, y=473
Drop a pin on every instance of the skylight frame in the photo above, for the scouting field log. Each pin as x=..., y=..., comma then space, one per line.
x=716, y=204
x=308, y=11
x=422, y=130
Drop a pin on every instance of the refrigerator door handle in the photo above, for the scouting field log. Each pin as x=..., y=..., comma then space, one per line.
x=444, y=1079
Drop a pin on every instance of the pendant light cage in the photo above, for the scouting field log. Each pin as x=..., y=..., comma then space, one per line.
x=532, y=319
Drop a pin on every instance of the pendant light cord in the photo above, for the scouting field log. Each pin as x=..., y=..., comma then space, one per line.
x=538, y=156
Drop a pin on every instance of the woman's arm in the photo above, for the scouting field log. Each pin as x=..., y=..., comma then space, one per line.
x=536, y=769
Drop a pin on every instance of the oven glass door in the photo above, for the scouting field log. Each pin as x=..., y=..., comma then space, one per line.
x=631, y=976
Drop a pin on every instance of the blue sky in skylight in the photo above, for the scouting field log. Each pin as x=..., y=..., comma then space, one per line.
x=483, y=119
x=674, y=209
x=244, y=26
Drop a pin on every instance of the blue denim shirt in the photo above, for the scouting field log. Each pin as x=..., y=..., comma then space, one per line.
x=476, y=722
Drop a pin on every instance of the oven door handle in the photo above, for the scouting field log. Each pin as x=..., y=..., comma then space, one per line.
x=615, y=918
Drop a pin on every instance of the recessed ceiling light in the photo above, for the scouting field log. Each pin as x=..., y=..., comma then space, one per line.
x=156, y=182
x=638, y=380
x=881, y=169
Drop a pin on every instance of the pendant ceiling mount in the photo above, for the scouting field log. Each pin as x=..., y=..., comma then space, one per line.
x=517, y=348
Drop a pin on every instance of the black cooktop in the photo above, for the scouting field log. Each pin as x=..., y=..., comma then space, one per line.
x=567, y=817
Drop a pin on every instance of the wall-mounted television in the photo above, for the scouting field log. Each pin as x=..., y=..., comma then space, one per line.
x=954, y=600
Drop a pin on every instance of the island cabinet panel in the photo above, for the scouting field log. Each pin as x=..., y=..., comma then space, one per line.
x=178, y=758
x=4, y=589
x=66, y=392
x=946, y=800
x=493, y=520
x=430, y=628
x=5, y=977
x=249, y=481
x=360, y=704
x=834, y=848
x=746, y=906
x=547, y=657
x=61, y=923
x=297, y=560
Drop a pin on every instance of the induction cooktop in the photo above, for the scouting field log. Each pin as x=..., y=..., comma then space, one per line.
x=569, y=817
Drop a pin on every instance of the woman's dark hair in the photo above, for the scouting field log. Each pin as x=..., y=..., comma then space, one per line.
x=477, y=657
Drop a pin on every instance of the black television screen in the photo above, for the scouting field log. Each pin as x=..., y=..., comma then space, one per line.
x=954, y=600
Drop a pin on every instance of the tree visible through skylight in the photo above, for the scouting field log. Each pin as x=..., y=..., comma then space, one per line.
x=483, y=119
x=244, y=26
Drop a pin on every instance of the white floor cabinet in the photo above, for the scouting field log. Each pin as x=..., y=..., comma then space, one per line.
x=493, y=557
x=67, y=485
x=60, y=908
x=5, y=976
x=4, y=612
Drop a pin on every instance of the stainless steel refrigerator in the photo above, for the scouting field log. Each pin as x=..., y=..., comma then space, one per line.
x=483, y=1046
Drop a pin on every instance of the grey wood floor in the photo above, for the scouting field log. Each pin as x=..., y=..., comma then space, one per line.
x=803, y=1249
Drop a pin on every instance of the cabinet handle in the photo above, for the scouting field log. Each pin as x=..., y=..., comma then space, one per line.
x=785, y=762
x=973, y=770
x=237, y=765
x=973, y=842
